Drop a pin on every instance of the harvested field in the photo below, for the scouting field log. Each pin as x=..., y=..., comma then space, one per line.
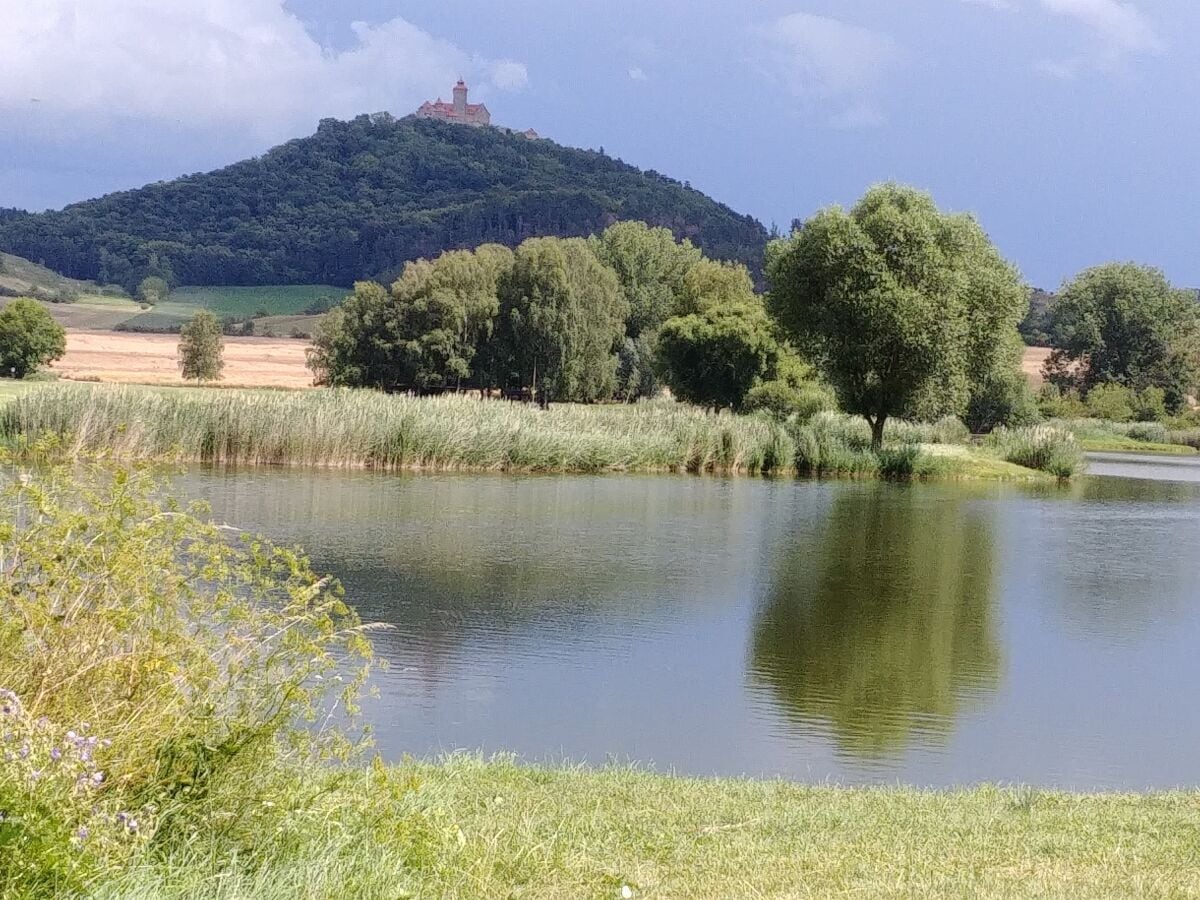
x=152, y=359
x=1031, y=365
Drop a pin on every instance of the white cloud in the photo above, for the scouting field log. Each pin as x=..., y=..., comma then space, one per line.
x=248, y=63
x=1120, y=27
x=824, y=60
x=637, y=74
x=1119, y=31
x=509, y=76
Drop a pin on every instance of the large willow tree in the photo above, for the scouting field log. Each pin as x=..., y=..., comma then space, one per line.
x=902, y=306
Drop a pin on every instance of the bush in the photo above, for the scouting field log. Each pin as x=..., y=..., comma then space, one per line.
x=193, y=656
x=782, y=400
x=1004, y=398
x=899, y=463
x=1054, y=403
x=1110, y=401
x=1150, y=405
x=1041, y=447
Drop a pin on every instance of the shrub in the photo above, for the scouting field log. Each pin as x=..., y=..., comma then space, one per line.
x=1004, y=398
x=1110, y=401
x=1150, y=405
x=1054, y=403
x=899, y=463
x=782, y=400
x=1042, y=447
x=197, y=655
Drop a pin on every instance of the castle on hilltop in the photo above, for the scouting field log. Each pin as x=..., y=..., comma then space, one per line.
x=460, y=112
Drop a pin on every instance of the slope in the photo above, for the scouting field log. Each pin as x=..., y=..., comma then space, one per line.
x=358, y=199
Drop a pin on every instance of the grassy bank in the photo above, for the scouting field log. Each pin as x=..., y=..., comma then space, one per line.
x=467, y=828
x=362, y=429
x=1101, y=436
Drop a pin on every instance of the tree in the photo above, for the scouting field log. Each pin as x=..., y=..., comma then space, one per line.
x=651, y=266
x=202, y=347
x=1125, y=324
x=153, y=289
x=563, y=315
x=894, y=299
x=714, y=357
x=445, y=313
x=29, y=338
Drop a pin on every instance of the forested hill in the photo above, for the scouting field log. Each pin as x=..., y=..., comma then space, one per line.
x=358, y=199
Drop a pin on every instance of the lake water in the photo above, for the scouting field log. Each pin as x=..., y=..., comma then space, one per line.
x=820, y=631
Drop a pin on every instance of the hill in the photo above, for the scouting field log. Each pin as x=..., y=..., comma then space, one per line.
x=358, y=199
x=22, y=278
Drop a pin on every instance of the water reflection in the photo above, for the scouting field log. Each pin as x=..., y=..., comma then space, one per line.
x=884, y=626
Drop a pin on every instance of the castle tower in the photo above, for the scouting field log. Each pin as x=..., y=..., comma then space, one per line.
x=460, y=99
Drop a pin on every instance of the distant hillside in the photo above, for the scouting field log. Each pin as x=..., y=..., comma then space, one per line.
x=22, y=278
x=358, y=199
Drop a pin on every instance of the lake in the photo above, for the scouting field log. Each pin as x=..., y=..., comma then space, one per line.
x=820, y=631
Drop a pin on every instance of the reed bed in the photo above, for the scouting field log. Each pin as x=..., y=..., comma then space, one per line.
x=365, y=429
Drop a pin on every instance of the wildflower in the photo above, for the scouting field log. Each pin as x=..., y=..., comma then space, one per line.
x=626, y=892
x=81, y=834
x=55, y=754
x=10, y=704
x=97, y=778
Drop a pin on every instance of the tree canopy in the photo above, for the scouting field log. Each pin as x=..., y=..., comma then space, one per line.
x=29, y=338
x=563, y=314
x=358, y=200
x=895, y=301
x=1125, y=324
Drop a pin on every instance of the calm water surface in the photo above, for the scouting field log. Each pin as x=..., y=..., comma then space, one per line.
x=927, y=634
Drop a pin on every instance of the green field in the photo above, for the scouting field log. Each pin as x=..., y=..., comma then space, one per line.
x=232, y=302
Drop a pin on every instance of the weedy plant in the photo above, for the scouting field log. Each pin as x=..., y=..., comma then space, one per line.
x=147, y=658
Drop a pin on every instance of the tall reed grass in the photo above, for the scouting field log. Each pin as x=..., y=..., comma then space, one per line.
x=365, y=429
x=1042, y=447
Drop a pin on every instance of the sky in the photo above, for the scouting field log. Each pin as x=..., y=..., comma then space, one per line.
x=1068, y=127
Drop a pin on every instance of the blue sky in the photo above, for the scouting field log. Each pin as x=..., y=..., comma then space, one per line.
x=1068, y=126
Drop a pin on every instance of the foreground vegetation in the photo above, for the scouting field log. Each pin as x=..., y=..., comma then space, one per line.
x=470, y=828
x=153, y=672
x=366, y=429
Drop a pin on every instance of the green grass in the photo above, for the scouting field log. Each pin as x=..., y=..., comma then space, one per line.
x=1118, y=444
x=466, y=828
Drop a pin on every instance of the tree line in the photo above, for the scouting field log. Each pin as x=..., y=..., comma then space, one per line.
x=617, y=315
x=358, y=199
x=893, y=307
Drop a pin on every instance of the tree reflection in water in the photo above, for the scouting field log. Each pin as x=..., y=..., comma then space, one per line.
x=884, y=627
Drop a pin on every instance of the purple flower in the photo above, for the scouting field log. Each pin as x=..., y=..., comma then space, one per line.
x=98, y=778
x=55, y=754
x=82, y=833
